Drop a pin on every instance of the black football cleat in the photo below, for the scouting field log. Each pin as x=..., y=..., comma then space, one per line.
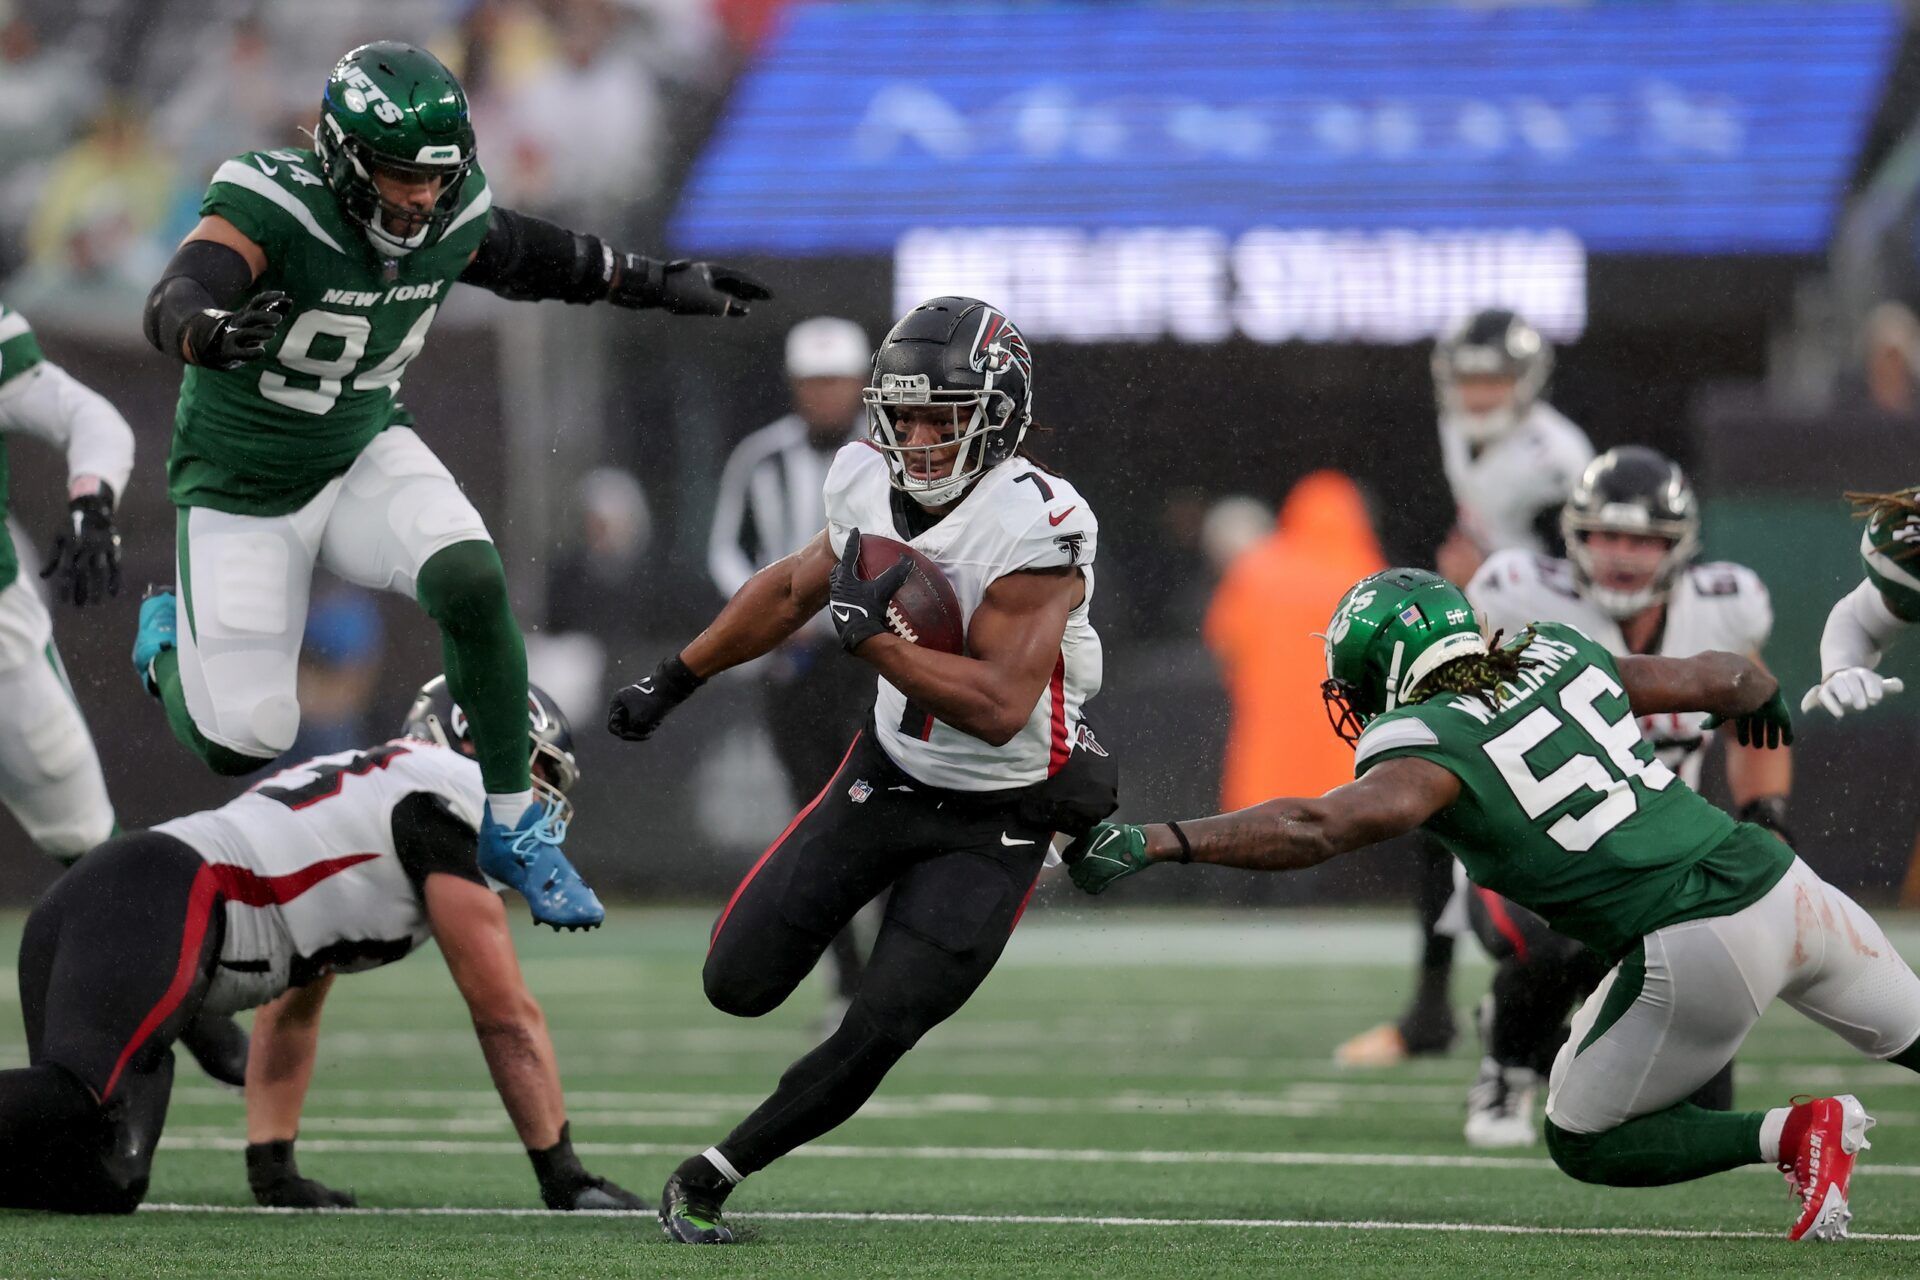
x=691, y=1214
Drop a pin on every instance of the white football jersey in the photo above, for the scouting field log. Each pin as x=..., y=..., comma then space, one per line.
x=1719, y=605
x=1015, y=517
x=1501, y=490
x=307, y=863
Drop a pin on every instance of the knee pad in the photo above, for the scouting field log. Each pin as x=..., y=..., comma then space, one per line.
x=737, y=990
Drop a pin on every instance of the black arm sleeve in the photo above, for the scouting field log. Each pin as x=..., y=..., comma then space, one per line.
x=526, y=259
x=202, y=274
x=429, y=837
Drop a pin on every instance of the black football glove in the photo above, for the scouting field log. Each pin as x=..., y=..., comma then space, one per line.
x=277, y=1183
x=86, y=555
x=859, y=605
x=683, y=287
x=638, y=709
x=1768, y=725
x=567, y=1186
x=228, y=339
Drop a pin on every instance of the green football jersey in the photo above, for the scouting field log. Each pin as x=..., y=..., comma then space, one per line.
x=19, y=352
x=1565, y=810
x=264, y=438
x=1890, y=550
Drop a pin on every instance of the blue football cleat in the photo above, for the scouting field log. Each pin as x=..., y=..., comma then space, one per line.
x=158, y=633
x=529, y=859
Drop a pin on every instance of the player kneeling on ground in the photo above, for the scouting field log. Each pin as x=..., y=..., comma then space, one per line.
x=344, y=863
x=1525, y=761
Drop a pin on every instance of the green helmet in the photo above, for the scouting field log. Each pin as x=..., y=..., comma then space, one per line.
x=1391, y=631
x=392, y=107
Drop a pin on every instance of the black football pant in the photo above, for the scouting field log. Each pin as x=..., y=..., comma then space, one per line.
x=114, y=962
x=1539, y=978
x=816, y=699
x=960, y=869
x=1427, y=1025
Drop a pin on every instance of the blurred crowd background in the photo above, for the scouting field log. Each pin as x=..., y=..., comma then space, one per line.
x=1230, y=233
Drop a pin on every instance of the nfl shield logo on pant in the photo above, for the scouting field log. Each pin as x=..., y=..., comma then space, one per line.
x=859, y=791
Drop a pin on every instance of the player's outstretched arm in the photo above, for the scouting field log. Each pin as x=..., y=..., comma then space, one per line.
x=1860, y=627
x=774, y=603
x=1013, y=643
x=470, y=924
x=286, y=1036
x=196, y=311
x=1287, y=834
x=48, y=402
x=527, y=259
x=1731, y=687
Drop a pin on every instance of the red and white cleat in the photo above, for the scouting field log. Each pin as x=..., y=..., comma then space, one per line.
x=1820, y=1169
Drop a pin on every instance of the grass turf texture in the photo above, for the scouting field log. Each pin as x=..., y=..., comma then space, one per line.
x=1118, y=1065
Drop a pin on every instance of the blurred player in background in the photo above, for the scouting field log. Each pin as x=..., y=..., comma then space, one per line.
x=297, y=303
x=337, y=865
x=950, y=797
x=50, y=775
x=1864, y=621
x=1526, y=759
x=1629, y=582
x=770, y=506
x=1510, y=460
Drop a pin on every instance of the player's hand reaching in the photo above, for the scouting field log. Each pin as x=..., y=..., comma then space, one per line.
x=228, y=339
x=859, y=605
x=85, y=560
x=1850, y=689
x=683, y=287
x=277, y=1184
x=638, y=709
x=1769, y=725
x=1110, y=851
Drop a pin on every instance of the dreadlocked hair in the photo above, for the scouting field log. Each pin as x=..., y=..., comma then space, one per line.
x=1480, y=675
x=1885, y=508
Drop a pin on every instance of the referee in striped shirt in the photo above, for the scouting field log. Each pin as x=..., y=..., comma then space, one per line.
x=768, y=507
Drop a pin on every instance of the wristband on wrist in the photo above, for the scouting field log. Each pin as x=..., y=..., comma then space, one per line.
x=1186, y=849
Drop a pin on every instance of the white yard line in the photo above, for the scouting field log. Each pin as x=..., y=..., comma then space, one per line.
x=204, y=1140
x=1049, y=1220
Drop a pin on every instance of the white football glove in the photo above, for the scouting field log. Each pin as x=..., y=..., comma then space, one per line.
x=1850, y=689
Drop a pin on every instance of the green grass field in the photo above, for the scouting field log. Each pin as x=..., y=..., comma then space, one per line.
x=1131, y=1094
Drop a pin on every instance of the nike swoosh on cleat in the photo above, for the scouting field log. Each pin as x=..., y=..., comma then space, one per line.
x=1010, y=842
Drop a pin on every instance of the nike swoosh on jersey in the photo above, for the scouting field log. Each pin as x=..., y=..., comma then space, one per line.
x=1055, y=520
x=1010, y=842
x=268, y=169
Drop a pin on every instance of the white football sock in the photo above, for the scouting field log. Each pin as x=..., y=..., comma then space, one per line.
x=510, y=807
x=1770, y=1131
x=723, y=1166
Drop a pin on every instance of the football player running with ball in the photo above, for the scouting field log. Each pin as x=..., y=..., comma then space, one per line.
x=951, y=795
x=1526, y=761
x=297, y=303
x=1630, y=582
x=338, y=865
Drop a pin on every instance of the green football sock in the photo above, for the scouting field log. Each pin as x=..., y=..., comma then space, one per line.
x=1676, y=1145
x=463, y=588
x=224, y=761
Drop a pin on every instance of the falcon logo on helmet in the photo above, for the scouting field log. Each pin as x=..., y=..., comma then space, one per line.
x=999, y=346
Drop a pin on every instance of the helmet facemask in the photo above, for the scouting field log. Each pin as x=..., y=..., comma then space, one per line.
x=1683, y=543
x=1631, y=491
x=350, y=163
x=979, y=442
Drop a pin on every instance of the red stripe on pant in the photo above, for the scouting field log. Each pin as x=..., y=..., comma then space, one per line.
x=1057, y=749
x=1503, y=920
x=781, y=839
x=1023, y=904
x=200, y=902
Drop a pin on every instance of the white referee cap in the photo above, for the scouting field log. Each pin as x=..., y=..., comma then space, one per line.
x=828, y=347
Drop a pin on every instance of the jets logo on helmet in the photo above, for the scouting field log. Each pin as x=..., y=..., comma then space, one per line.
x=998, y=346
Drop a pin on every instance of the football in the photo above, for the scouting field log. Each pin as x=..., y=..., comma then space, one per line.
x=924, y=610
